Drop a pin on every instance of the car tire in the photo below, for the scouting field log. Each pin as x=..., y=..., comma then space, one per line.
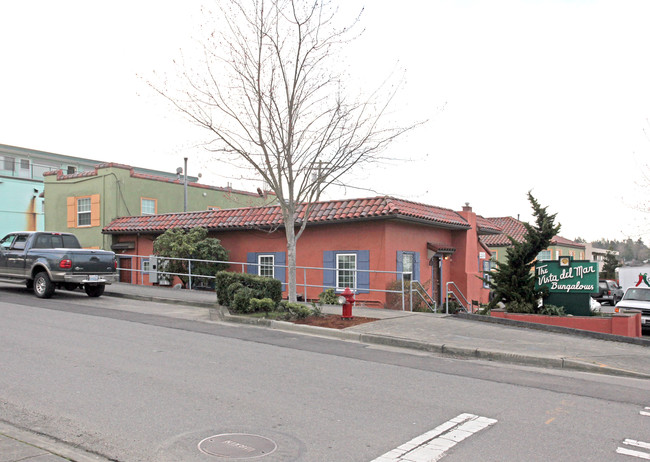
x=94, y=291
x=43, y=286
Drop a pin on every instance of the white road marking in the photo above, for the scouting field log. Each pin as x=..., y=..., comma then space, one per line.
x=646, y=412
x=630, y=452
x=431, y=446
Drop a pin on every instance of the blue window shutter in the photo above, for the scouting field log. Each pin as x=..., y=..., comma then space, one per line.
x=399, y=268
x=363, y=278
x=416, y=266
x=251, y=259
x=329, y=273
x=279, y=271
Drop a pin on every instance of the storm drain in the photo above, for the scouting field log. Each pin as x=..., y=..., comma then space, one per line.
x=237, y=446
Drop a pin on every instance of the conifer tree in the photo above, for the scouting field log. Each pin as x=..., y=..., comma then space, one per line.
x=610, y=265
x=513, y=280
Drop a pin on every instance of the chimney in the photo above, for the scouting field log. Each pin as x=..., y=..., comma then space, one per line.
x=467, y=207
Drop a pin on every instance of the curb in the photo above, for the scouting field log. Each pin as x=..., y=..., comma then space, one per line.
x=50, y=445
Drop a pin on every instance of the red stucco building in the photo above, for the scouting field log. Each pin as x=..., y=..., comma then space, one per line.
x=363, y=243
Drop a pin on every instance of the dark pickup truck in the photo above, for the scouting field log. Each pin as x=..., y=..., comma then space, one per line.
x=45, y=261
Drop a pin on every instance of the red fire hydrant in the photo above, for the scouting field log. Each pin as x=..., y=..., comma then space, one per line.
x=347, y=300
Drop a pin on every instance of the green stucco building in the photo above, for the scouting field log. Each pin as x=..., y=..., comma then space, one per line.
x=84, y=203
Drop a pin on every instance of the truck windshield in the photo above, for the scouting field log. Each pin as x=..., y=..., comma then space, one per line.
x=637, y=294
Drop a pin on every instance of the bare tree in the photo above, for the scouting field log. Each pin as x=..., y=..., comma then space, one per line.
x=272, y=96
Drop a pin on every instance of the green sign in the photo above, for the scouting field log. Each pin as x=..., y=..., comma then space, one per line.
x=567, y=276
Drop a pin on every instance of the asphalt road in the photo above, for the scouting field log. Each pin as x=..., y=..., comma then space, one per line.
x=144, y=387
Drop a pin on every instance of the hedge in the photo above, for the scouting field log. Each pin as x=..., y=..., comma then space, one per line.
x=264, y=287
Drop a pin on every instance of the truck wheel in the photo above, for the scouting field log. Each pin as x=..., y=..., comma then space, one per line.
x=43, y=287
x=94, y=291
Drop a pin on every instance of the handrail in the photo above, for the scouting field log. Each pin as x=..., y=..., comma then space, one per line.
x=431, y=304
x=469, y=307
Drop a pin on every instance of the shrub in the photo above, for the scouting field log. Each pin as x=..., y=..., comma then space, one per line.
x=265, y=305
x=394, y=300
x=266, y=287
x=294, y=310
x=328, y=297
x=520, y=307
x=241, y=302
x=231, y=291
x=552, y=310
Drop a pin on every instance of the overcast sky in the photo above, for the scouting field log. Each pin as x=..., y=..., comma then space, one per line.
x=548, y=96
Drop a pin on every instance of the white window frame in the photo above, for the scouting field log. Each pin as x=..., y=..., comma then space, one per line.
x=82, y=212
x=147, y=200
x=408, y=275
x=263, y=267
x=545, y=255
x=340, y=272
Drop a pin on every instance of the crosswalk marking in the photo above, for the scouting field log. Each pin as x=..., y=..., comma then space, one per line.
x=634, y=453
x=431, y=446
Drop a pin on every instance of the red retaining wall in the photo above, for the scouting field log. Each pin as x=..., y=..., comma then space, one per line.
x=628, y=325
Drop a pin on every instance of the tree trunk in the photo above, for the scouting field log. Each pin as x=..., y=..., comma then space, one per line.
x=291, y=256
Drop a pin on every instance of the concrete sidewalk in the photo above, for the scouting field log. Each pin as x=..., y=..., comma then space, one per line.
x=464, y=337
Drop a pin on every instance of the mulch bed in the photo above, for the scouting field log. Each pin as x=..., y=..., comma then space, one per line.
x=333, y=321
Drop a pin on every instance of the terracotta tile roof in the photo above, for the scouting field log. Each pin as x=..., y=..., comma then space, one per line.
x=515, y=229
x=271, y=216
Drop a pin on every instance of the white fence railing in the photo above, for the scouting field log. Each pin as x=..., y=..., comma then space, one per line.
x=154, y=267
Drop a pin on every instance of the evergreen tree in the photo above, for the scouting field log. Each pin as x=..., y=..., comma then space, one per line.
x=610, y=265
x=513, y=281
x=178, y=243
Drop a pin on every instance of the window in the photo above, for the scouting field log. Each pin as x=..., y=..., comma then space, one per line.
x=407, y=265
x=146, y=267
x=19, y=243
x=71, y=170
x=269, y=264
x=24, y=164
x=408, y=262
x=544, y=255
x=265, y=265
x=148, y=206
x=346, y=271
x=83, y=211
x=9, y=163
x=6, y=241
x=347, y=268
x=487, y=268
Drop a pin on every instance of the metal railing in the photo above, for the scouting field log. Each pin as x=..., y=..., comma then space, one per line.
x=424, y=296
x=467, y=305
x=167, y=276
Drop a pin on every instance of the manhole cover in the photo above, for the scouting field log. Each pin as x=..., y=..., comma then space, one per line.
x=237, y=446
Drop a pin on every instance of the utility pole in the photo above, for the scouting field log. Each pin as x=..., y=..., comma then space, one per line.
x=185, y=187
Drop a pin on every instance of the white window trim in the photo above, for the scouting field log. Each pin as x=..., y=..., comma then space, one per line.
x=354, y=271
x=260, y=264
x=85, y=212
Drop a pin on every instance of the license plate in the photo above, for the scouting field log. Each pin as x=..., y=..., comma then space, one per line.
x=93, y=278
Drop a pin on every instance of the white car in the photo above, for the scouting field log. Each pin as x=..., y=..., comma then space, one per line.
x=636, y=298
